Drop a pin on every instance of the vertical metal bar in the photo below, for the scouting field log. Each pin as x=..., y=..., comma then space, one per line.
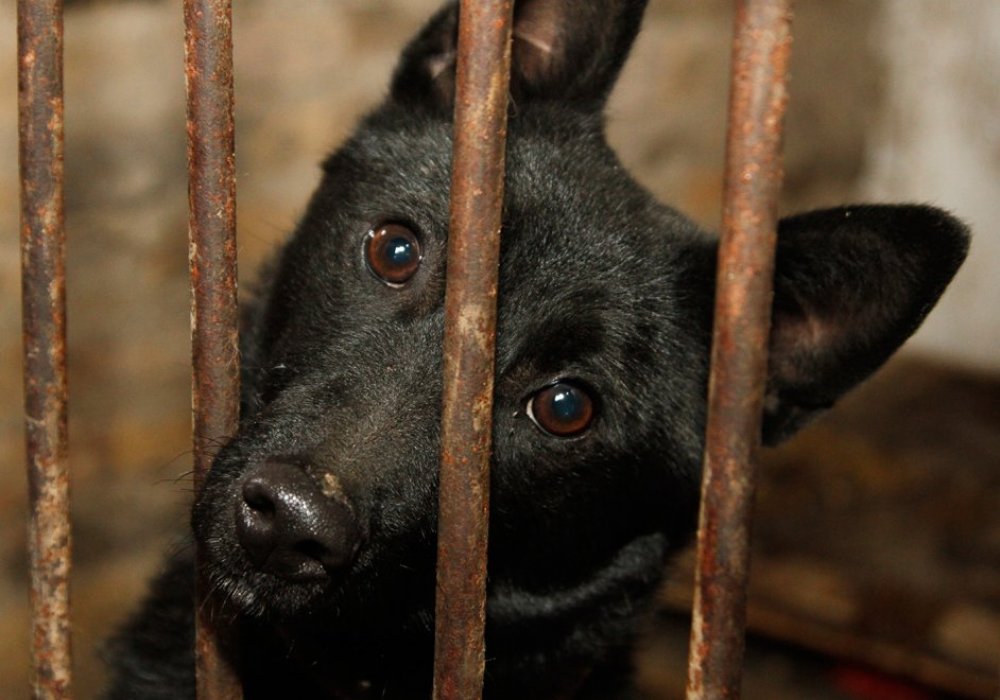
x=758, y=96
x=214, y=342
x=43, y=293
x=482, y=77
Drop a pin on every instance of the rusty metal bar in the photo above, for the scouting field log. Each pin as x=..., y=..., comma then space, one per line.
x=482, y=77
x=214, y=343
x=43, y=294
x=758, y=94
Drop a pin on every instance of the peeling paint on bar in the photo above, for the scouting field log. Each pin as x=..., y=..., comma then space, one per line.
x=212, y=251
x=43, y=289
x=758, y=97
x=482, y=78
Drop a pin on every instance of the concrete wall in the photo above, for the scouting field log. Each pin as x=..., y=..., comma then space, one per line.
x=938, y=141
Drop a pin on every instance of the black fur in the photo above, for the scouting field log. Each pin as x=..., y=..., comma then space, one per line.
x=600, y=284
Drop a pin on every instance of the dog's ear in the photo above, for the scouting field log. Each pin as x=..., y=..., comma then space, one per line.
x=562, y=50
x=851, y=284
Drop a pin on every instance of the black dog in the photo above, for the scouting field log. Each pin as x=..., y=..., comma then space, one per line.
x=319, y=516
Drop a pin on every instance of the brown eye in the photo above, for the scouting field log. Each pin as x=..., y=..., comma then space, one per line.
x=392, y=253
x=562, y=409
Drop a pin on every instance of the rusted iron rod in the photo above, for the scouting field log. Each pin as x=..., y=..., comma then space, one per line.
x=214, y=342
x=43, y=295
x=758, y=94
x=482, y=76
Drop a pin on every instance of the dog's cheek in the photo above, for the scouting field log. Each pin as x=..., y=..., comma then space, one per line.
x=212, y=516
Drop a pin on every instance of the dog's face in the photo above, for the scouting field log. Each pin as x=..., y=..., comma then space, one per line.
x=325, y=503
x=603, y=332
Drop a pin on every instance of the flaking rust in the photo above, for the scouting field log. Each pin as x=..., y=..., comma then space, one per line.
x=739, y=347
x=214, y=315
x=482, y=78
x=43, y=285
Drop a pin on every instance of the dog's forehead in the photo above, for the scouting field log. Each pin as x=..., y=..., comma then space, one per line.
x=564, y=186
x=574, y=222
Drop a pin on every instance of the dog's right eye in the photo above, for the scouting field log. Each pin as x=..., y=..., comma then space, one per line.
x=392, y=253
x=562, y=409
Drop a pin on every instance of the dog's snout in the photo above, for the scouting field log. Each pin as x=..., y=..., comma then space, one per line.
x=290, y=528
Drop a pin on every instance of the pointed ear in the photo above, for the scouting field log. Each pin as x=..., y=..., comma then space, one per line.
x=563, y=50
x=851, y=284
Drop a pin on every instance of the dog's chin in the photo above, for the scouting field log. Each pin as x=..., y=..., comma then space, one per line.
x=266, y=596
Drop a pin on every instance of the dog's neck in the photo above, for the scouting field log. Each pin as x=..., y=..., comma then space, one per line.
x=390, y=654
x=333, y=667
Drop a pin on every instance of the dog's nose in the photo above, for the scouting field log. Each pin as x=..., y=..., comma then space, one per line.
x=290, y=528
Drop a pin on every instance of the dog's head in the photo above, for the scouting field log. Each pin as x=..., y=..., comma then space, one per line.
x=326, y=501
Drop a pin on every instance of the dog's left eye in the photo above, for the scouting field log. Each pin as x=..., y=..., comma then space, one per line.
x=562, y=409
x=392, y=253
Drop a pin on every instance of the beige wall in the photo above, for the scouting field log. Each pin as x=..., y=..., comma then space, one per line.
x=939, y=142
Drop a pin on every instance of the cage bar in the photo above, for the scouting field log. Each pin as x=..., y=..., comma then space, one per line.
x=482, y=77
x=758, y=95
x=43, y=298
x=212, y=251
